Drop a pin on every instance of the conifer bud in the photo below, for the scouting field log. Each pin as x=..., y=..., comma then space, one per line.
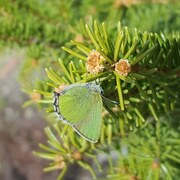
x=123, y=67
x=93, y=63
x=60, y=88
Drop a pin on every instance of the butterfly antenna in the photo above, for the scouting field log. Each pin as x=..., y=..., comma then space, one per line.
x=108, y=101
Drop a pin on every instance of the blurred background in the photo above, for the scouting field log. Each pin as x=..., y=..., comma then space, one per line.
x=31, y=35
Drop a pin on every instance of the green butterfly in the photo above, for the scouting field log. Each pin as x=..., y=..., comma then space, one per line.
x=80, y=105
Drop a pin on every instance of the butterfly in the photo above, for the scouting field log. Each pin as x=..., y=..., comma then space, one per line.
x=80, y=105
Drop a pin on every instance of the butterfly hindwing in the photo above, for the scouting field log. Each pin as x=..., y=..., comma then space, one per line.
x=90, y=127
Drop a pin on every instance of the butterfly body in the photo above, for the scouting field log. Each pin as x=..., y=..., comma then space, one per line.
x=80, y=105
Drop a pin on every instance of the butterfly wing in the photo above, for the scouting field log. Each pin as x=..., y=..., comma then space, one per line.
x=90, y=127
x=81, y=106
x=74, y=103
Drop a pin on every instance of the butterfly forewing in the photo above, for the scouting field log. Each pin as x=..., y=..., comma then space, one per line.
x=74, y=103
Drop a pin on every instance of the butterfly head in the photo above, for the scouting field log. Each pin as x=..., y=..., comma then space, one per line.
x=94, y=87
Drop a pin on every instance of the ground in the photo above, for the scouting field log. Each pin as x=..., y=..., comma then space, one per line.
x=21, y=129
